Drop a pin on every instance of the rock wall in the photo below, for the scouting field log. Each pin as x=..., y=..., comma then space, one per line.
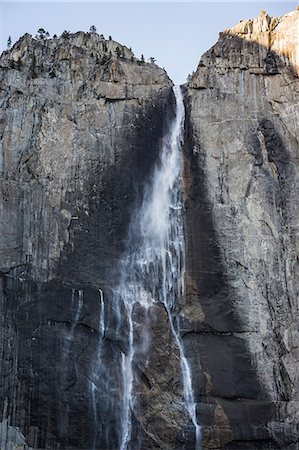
x=241, y=164
x=80, y=130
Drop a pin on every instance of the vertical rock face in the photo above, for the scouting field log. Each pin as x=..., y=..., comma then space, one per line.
x=80, y=130
x=241, y=308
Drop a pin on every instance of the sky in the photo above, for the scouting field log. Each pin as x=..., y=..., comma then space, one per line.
x=175, y=33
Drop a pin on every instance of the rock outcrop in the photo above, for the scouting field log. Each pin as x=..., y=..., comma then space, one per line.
x=241, y=310
x=80, y=130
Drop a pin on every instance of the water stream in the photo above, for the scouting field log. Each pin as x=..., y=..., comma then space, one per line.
x=153, y=269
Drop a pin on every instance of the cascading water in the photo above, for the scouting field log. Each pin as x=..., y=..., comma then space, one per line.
x=153, y=269
x=95, y=368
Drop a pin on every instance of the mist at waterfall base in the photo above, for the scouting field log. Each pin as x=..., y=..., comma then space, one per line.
x=151, y=273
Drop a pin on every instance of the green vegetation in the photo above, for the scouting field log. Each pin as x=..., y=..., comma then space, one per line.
x=65, y=34
x=9, y=42
x=42, y=34
x=118, y=52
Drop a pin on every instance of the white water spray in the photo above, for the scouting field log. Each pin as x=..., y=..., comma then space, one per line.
x=97, y=364
x=154, y=272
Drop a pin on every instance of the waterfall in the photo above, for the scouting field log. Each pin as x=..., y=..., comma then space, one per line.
x=153, y=268
x=95, y=369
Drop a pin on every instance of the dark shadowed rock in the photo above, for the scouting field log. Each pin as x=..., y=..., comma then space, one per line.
x=80, y=131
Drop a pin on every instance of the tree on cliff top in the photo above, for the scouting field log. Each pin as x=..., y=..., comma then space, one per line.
x=92, y=29
x=9, y=42
x=42, y=34
x=65, y=34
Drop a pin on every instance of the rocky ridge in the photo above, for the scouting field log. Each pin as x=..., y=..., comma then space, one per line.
x=50, y=91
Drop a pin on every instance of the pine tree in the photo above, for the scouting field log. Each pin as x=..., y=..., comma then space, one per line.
x=65, y=34
x=142, y=58
x=118, y=51
x=41, y=33
x=9, y=42
x=92, y=29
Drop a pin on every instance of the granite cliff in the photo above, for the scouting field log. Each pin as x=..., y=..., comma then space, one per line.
x=241, y=153
x=80, y=132
x=80, y=129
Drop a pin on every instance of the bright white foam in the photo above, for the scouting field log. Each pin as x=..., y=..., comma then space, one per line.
x=154, y=272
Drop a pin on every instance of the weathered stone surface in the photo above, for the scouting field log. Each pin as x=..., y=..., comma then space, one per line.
x=159, y=407
x=80, y=130
x=241, y=311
